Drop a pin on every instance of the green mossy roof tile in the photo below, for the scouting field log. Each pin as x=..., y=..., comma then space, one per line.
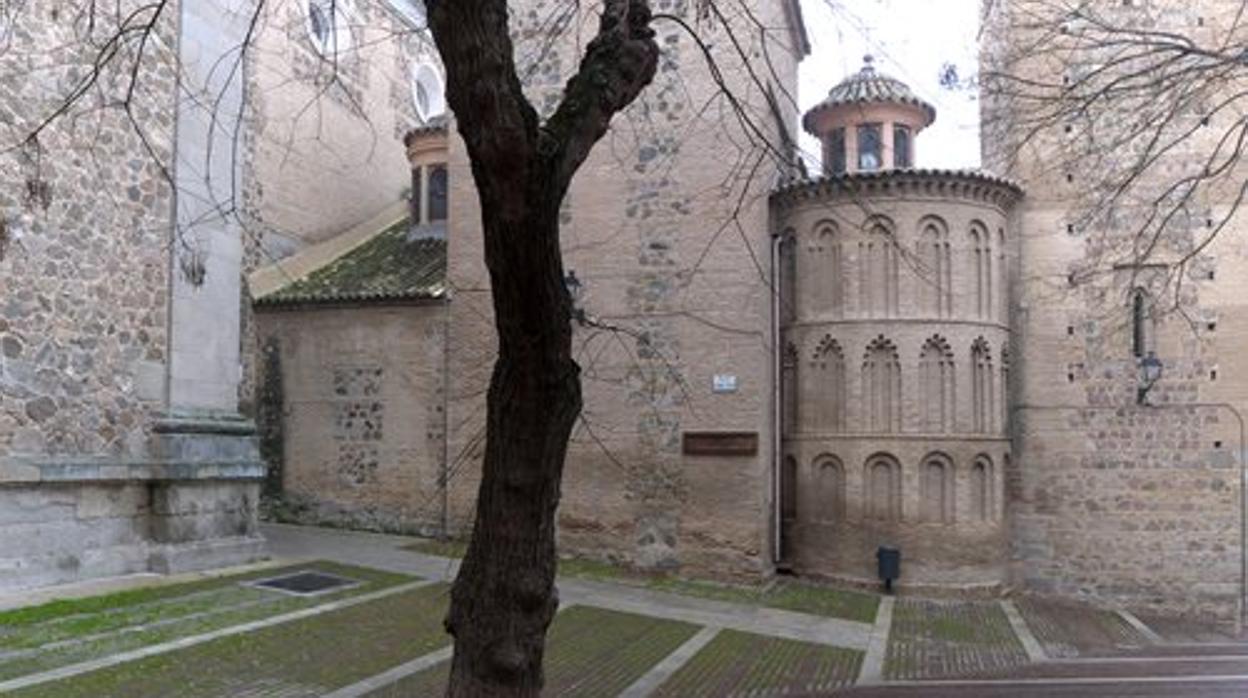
x=389, y=266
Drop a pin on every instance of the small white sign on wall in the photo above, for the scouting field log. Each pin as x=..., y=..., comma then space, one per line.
x=724, y=383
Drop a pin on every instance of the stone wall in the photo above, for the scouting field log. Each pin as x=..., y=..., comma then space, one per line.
x=651, y=229
x=363, y=414
x=84, y=278
x=101, y=471
x=1109, y=499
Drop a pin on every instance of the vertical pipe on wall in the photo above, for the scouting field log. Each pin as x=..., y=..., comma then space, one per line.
x=444, y=466
x=777, y=355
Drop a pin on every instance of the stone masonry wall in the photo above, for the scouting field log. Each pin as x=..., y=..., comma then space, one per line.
x=86, y=212
x=96, y=477
x=1133, y=504
x=363, y=414
x=649, y=229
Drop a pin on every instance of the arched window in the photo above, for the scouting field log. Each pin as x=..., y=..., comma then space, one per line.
x=788, y=277
x=411, y=10
x=829, y=488
x=428, y=94
x=870, y=147
x=827, y=270
x=416, y=204
x=788, y=506
x=789, y=392
x=1003, y=277
x=834, y=156
x=937, y=489
x=881, y=387
x=983, y=502
x=1141, y=323
x=788, y=490
x=981, y=263
x=901, y=146
x=936, y=282
x=438, y=189
x=828, y=398
x=883, y=479
x=1005, y=388
x=329, y=26
x=877, y=272
x=936, y=386
x=983, y=396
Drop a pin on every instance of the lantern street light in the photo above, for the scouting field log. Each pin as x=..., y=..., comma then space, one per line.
x=575, y=290
x=1150, y=372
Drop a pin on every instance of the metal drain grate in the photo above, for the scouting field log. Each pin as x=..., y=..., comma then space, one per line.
x=307, y=583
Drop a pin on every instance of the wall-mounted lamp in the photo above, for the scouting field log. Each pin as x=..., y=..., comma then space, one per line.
x=575, y=290
x=1149, y=373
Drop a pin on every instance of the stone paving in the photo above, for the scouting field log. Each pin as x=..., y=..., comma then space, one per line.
x=609, y=639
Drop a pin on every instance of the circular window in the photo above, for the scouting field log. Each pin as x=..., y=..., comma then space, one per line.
x=427, y=92
x=329, y=26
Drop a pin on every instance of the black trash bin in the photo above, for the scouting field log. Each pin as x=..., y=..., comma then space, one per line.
x=888, y=564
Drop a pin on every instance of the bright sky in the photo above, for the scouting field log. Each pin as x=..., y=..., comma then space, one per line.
x=911, y=40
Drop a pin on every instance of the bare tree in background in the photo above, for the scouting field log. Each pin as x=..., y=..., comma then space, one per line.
x=1135, y=111
x=504, y=598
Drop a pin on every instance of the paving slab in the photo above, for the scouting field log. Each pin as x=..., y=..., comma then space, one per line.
x=1072, y=630
x=747, y=665
x=932, y=639
x=389, y=553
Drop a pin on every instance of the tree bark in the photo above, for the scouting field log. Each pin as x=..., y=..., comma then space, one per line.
x=504, y=597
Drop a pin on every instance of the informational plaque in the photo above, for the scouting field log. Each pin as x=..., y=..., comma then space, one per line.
x=721, y=443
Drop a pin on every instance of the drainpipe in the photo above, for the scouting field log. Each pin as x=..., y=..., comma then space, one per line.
x=444, y=466
x=776, y=402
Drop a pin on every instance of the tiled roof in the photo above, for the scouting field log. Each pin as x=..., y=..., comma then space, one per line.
x=392, y=265
x=870, y=87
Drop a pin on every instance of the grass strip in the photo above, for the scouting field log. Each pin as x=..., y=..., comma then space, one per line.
x=303, y=658
x=590, y=653
x=83, y=636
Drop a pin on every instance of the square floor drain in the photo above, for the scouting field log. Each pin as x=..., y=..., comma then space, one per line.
x=307, y=583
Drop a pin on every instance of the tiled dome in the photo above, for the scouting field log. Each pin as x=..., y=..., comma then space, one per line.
x=869, y=87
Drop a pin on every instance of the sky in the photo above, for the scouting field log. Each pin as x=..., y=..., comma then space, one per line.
x=910, y=40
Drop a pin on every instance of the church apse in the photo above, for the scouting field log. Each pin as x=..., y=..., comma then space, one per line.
x=894, y=378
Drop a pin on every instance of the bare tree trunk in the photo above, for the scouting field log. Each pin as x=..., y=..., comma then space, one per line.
x=504, y=598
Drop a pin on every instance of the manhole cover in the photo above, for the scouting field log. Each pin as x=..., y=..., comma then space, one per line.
x=308, y=583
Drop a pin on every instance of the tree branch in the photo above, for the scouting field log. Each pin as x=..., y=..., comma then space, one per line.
x=619, y=63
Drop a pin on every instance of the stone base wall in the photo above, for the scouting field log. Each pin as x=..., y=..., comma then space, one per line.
x=56, y=533
x=1132, y=506
x=193, y=506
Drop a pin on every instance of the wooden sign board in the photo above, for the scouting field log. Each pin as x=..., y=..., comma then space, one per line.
x=721, y=443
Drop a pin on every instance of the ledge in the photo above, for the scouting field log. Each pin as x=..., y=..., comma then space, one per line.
x=228, y=424
x=947, y=185
x=18, y=471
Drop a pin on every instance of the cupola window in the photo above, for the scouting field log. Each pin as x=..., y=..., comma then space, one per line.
x=869, y=147
x=437, y=193
x=836, y=151
x=901, y=146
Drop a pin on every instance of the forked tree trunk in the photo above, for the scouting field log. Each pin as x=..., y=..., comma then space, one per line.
x=504, y=597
